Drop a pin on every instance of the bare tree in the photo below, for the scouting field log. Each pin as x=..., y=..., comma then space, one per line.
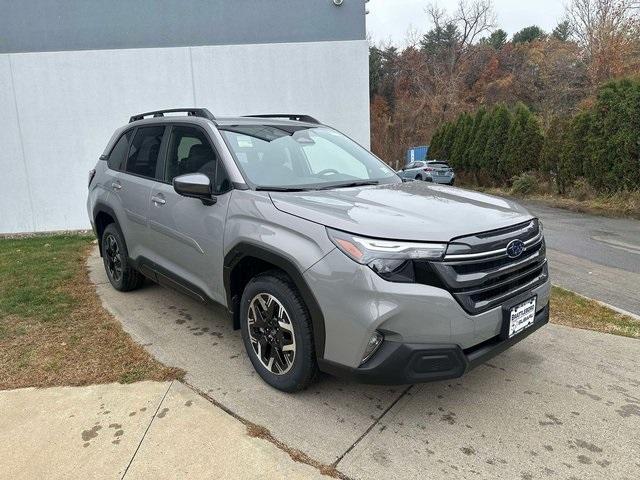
x=608, y=31
x=449, y=45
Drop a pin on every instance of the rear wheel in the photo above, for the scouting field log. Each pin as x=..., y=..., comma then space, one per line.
x=418, y=177
x=277, y=333
x=121, y=274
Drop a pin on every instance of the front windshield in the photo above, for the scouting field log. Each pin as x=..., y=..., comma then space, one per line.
x=299, y=157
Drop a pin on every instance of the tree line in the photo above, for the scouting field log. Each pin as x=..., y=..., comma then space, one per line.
x=600, y=144
x=497, y=106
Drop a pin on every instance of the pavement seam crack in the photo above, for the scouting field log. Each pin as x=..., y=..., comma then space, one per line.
x=371, y=427
x=258, y=431
x=146, y=431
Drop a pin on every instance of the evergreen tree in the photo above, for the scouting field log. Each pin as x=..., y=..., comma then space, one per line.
x=573, y=155
x=464, y=128
x=562, y=31
x=522, y=152
x=497, y=137
x=613, y=156
x=448, y=139
x=435, y=147
x=496, y=40
x=440, y=40
x=375, y=71
x=528, y=34
x=479, y=140
x=554, y=141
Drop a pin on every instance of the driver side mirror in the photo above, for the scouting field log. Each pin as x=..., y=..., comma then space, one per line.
x=195, y=185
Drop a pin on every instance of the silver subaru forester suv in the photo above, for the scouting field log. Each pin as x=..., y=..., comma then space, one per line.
x=325, y=259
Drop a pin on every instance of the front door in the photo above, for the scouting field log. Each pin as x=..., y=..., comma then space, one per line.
x=188, y=235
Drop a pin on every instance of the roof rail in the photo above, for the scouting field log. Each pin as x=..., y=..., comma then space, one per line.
x=290, y=116
x=192, y=112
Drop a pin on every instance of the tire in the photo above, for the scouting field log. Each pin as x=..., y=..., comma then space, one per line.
x=288, y=372
x=115, y=256
x=418, y=177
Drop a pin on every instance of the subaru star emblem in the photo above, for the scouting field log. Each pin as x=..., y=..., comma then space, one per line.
x=515, y=248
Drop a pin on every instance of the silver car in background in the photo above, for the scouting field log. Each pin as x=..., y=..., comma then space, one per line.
x=436, y=171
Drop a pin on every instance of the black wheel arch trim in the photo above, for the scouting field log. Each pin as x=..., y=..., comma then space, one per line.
x=245, y=249
x=98, y=208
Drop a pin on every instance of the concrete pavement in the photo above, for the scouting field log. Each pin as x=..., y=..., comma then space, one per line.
x=143, y=430
x=597, y=257
x=564, y=403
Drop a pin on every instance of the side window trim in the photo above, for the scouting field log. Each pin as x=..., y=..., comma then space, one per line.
x=160, y=165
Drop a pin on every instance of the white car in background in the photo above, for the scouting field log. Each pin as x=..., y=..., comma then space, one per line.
x=436, y=171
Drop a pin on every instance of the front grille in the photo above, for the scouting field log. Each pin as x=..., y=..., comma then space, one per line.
x=480, y=275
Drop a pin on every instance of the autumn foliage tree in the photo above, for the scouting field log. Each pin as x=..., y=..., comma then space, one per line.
x=496, y=107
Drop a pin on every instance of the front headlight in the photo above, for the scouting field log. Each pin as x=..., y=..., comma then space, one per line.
x=391, y=259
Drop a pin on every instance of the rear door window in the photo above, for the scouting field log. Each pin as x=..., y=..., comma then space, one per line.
x=144, y=151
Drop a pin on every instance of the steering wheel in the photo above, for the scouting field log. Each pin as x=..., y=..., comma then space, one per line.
x=327, y=171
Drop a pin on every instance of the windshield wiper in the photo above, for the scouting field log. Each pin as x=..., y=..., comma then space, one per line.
x=265, y=188
x=349, y=184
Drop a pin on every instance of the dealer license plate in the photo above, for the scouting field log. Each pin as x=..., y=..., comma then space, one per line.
x=522, y=316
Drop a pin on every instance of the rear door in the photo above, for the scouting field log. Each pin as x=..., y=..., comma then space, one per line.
x=188, y=235
x=111, y=180
x=134, y=185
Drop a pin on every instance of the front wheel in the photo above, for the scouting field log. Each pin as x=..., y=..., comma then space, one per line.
x=277, y=332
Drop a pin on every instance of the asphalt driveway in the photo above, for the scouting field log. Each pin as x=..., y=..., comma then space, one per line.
x=564, y=403
x=598, y=257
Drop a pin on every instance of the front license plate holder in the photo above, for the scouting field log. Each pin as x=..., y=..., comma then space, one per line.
x=517, y=318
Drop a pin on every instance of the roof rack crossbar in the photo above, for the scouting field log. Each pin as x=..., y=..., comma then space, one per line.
x=290, y=116
x=192, y=112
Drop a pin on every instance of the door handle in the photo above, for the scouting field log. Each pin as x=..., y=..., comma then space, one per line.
x=116, y=186
x=158, y=200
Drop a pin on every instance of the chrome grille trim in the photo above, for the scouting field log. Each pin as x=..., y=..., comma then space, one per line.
x=494, y=253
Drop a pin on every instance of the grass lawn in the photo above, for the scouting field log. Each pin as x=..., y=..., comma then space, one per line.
x=572, y=310
x=53, y=329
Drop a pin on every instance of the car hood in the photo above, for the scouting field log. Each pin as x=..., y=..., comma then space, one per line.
x=403, y=211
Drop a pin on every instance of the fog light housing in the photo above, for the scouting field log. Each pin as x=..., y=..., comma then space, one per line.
x=372, y=346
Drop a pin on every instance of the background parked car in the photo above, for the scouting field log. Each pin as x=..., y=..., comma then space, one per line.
x=435, y=171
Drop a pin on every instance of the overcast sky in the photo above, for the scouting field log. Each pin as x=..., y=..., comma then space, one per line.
x=391, y=19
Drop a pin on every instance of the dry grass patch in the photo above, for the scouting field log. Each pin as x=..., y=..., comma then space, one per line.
x=622, y=204
x=572, y=310
x=53, y=329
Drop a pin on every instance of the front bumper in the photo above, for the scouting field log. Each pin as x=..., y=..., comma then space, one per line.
x=397, y=363
x=355, y=302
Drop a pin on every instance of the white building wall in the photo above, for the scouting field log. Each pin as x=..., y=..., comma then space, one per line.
x=59, y=109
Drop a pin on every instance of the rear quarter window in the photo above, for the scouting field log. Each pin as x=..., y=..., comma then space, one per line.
x=119, y=152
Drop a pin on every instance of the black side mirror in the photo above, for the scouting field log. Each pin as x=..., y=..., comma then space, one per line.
x=195, y=185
